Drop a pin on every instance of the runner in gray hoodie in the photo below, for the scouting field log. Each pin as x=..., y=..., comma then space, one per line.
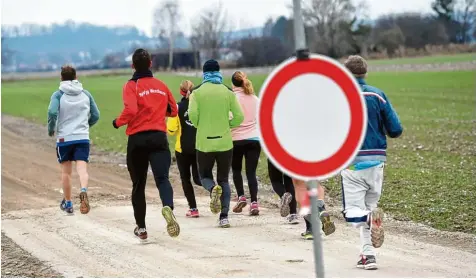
x=72, y=111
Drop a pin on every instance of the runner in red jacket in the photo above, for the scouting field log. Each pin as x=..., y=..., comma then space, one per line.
x=147, y=103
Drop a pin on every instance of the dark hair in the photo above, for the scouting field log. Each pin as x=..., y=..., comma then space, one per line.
x=68, y=72
x=141, y=60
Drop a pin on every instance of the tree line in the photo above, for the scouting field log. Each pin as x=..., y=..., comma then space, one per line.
x=333, y=27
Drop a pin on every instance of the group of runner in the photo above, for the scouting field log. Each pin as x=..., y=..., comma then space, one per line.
x=215, y=124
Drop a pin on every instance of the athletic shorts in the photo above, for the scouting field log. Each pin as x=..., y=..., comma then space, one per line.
x=73, y=152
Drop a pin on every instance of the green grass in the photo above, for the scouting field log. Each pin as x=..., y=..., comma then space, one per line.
x=430, y=174
x=453, y=58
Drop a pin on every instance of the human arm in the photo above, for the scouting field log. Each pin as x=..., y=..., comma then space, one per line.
x=94, y=110
x=193, y=110
x=173, y=125
x=391, y=121
x=236, y=111
x=172, y=108
x=129, y=98
x=53, y=109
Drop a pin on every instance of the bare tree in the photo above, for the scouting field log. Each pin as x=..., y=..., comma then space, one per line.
x=209, y=30
x=466, y=16
x=166, y=18
x=326, y=17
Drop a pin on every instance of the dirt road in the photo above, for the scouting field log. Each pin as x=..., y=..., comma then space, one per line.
x=40, y=241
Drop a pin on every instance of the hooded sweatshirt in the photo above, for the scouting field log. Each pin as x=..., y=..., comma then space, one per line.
x=72, y=111
x=249, y=104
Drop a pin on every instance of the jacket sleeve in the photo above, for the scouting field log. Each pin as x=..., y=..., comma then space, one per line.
x=236, y=110
x=172, y=109
x=173, y=125
x=390, y=118
x=129, y=98
x=94, y=110
x=193, y=110
x=53, y=109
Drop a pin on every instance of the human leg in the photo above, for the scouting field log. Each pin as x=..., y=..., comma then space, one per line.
x=184, y=164
x=252, y=153
x=65, y=157
x=137, y=165
x=195, y=174
x=81, y=156
x=223, y=170
x=160, y=159
x=236, y=167
x=206, y=161
x=374, y=178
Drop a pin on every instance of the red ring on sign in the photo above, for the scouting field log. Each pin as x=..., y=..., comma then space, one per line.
x=352, y=94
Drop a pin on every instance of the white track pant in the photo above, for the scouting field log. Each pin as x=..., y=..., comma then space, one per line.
x=361, y=190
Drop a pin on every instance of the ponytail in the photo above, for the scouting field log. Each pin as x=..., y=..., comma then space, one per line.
x=239, y=79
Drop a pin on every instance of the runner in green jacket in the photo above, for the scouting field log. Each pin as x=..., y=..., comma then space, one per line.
x=209, y=111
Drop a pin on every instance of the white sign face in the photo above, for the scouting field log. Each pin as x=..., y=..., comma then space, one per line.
x=317, y=111
x=312, y=117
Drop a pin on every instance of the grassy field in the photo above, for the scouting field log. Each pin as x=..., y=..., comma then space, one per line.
x=430, y=174
x=451, y=58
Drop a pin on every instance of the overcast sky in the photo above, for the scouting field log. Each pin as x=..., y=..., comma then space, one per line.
x=243, y=13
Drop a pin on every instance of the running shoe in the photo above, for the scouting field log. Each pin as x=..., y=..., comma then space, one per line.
x=67, y=208
x=173, y=227
x=367, y=262
x=84, y=203
x=377, y=234
x=254, y=209
x=192, y=213
x=293, y=219
x=284, y=209
x=328, y=227
x=141, y=233
x=307, y=235
x=224, y=223
x=240, y=204
x=215, y=201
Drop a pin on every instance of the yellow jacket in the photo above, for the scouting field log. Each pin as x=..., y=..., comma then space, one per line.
x=174, y=128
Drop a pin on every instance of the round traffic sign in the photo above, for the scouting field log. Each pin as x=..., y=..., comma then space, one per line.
x=312, y=117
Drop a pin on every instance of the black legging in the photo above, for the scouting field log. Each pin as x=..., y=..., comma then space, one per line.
x=185, y=162
x=250, y=150
x=281, y=184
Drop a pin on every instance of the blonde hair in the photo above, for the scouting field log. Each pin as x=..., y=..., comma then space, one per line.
x=239, y=79
x=186, y=86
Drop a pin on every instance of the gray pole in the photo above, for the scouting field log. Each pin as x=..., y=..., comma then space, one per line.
x=316, y=230
x=300, y=42
x=299, y=37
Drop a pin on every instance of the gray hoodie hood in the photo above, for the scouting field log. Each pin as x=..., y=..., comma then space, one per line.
x=71, y=87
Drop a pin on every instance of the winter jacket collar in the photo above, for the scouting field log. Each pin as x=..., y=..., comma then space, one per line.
x=138, y=75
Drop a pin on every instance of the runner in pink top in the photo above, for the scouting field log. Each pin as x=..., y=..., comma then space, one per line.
x=245, y=143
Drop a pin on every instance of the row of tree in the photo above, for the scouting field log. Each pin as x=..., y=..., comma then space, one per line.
x=333, y=27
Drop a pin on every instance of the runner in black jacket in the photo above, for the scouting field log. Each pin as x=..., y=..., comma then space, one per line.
x=185, y=151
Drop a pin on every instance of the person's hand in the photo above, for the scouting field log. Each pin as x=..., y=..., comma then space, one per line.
x=114, y=124
x=51, y=134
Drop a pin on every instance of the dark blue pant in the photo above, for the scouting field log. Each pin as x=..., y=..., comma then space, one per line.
x=144, y=148
x=206, y=162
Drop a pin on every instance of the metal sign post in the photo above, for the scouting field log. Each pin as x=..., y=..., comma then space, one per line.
x=316, y=229
x=300, y=42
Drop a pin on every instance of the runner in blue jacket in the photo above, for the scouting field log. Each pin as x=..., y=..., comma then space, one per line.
x=362, y=180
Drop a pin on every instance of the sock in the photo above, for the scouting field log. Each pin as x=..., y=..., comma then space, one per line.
x=321, y=205
x=69, y=204
x=84, y=189
x=222, y=216
x=308, y=226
